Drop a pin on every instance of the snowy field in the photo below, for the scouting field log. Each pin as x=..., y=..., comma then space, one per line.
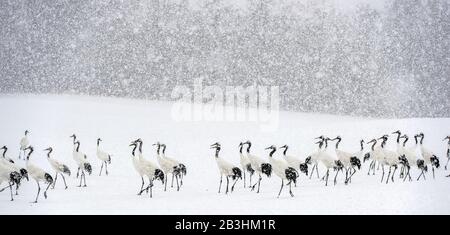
x=52, y=119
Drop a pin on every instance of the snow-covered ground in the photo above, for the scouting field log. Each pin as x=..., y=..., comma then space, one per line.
x=52, y=119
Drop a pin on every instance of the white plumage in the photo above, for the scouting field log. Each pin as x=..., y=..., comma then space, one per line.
x=104, y=157
x=150, y=169
x=226, y=169
x=24, y=143
x=179, y=169
x=259, y=165
x=58, y=167
x=245, y=164
x=82, y=163
x=282, y=169
x=429, y=157
x=12, y=177
x=167, y=164
x=38, y=174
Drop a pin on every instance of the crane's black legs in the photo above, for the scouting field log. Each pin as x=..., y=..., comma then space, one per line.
x=312, y=171
x=290, y=189
x=39, y=190
x=106, y=168
x=228, y=182
x=432, y=168
x=250, y=185
x=393, y=173
x=10, y=190
x=176, y=179
x=83, y=176
x=448, y=160
x=382, y=176
x=101, y=168
x=45, y=192
x=142, y=186
x=244, y=179
x=389, y=174
x=326, y=177
x=64, y=179
x=421, y=174
x=335, y=177
x=232, y=187
x=220, y=184
x=54, y=182
x=165, y=184
x=78, y=172
x=282, y=184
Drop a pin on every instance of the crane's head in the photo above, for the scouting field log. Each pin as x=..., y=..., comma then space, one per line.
x=215, y=145
x=73, y=136
x=320, y=137
x=156, y=144
x=284, y=147
x=404, y=136
x=372, y=141
x=49, y=149
x=4, y=148
x=26, y=132
x=272, y=147
x=446, y=138
x=362, y=141
x=397, y=132
x=133, y=143
x=337, y=138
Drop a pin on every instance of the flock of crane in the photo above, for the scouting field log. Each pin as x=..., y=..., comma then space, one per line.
x=287, y=167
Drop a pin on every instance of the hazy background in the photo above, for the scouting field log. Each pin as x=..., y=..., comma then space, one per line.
x=385, y=59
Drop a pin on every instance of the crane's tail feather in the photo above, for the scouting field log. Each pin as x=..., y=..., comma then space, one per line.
x=159, y=175
x=266, y=169
x=48, y=178
x=88, y=167
x=237, y=173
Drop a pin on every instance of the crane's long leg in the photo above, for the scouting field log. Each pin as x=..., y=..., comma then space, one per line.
x=326, y=177
x=54, y=182
x=282, y=184
x=432, y=168
x=250, y=185
x=244, y=179
x=402, y=169
x=312, y=171
x=45, y=192
x=151, y=187
x=220, y=184
x=78, y=172
x=259, y=183
x=17, y=189
x=290, y=189
x=176, y=179
x=81, y=178
x=387, y=180
x=10, y=190
x=84, y=177
x=418, y=178
x=335, y=177
x=106, y=168
x=173, y=175
x=39, y=190
x=232, y=187
x=64, y=179
x=228, y=181
x=382, y=176
x=165, y=184
x=448, y=160
x=393, y=174
x=253, y=186
x=101, y=168
x=346, y=175
x=142, y=186
x=317, y=170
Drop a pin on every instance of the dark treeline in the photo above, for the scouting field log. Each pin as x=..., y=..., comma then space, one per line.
x=391, y=62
